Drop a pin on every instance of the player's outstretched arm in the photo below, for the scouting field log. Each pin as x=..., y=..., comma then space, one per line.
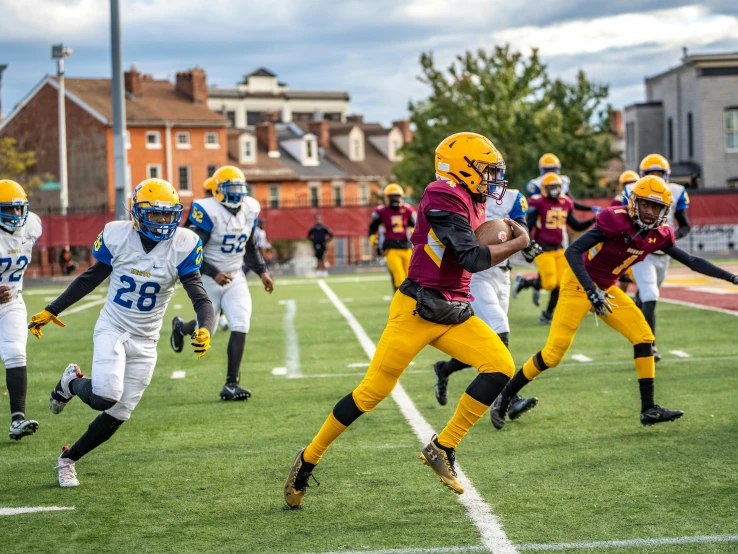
x=374, y=224
x=700, y=265
x=254, y=261
x=192, y=283
x=684, y=227
x=83, y=285
x=598, y=298
x=577, y=224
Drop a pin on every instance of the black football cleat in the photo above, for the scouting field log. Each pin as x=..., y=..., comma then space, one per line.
x=441, y=384
x=22, y=428
x=657, y=414
x=536, y=297
x=656, y=354
x=498, y=412
x=231, y=391
x=520, y=405
x=177, y=338
x=546, y=318
x=518, y=285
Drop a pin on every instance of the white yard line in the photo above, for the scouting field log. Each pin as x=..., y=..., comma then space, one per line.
x=178, y=375
x=680, y=353
x=494, y=538
x=366, y=279
x=291, y=345
x=581, y=358
x=18, y=511
x=82, y=307
x=698, y=306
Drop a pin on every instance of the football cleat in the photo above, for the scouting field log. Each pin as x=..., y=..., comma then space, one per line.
x=296, y=484
x=441, y=460
x=498, y=412
x=22, y=428
x=231, y=391
x=520, y=405
x=65, y=470
x=61, y=393
x=441, y=384
x=177, y=337
x=656, y=354
x=546, y=318
x=535, y=296
x=223, y=322
x=657, y=414
x=518, y=285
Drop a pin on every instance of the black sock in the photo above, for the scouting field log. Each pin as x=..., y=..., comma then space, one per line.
x=553, y=300
x=235, y=354
x=646, y=386
x=82, y=387
x=513, y=387
x=446, y=449
x=452, y=366
x=189, y=327
x=535, y=283
x=649, y=312
x=16, y=379
x=101, y=429
x=307, y=465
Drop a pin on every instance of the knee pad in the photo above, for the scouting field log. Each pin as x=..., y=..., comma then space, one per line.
x=367, y=395
x=643, y=350
x=554, y=352
x=487, y=386
x=120, y=411
x=346, y=411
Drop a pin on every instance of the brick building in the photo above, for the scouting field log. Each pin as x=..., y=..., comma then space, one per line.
x=171, y=134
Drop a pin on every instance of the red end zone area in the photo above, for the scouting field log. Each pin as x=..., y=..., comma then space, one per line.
x=687, y=286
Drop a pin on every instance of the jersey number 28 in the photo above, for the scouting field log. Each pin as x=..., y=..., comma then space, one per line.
x=147, y=294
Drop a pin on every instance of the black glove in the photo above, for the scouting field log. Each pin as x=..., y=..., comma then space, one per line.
x=599, y=300
x=531, y=251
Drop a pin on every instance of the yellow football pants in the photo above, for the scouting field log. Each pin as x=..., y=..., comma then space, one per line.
x=551, y=266
x=573, y=305
x=398, y=264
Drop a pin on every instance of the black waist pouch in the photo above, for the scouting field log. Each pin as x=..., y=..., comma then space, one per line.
x=433, y=306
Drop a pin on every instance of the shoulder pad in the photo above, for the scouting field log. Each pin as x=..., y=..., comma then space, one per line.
x=252, y=204
x=184, y=240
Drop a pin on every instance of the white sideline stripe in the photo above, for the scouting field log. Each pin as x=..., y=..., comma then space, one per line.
x=279, y=371
x=680, y=353
x=178, y=375
x=581, y=358
x=291, y=346
x=83, y=307
x=366, y=364
x=493, y=537
x=282, y=283
x=18, y=511
x=698, y=306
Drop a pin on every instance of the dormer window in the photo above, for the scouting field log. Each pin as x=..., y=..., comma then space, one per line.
x=248, y=149
x=356, y=149
x=309, y=149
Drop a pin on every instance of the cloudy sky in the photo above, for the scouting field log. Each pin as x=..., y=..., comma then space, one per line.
x=368, y=47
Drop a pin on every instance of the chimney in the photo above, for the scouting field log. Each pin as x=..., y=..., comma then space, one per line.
x=132, y=79
x=616, y=123
x=321, y=130
x=270, y=117
x=266, y=134
x=193, y=85
x=404, y=126
x=355, y=118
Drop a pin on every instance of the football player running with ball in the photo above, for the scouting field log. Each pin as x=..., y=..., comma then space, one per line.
x=143, y=258
x=19, y=231
x=432, y=307
x=225, y=224
x=626, y=235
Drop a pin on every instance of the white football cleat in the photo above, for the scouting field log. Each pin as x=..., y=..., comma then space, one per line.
x=22, y=428
x=61, y=393
x=66, y=471
x=223, y=322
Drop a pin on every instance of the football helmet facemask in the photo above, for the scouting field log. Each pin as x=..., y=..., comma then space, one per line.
x=649, y=189
x=655, y=163
x=13, y=205
x=156, y=209
x=551, y=184
x=231, y=188
x=394, y=196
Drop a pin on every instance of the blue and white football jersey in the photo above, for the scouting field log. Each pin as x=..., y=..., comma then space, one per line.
x=679, y=200
x=15, y=252
x=228, y=233
x=142, y=283
x=534, y=185
x=514, y=205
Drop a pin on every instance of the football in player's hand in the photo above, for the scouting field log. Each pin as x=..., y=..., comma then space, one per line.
x=494, y=231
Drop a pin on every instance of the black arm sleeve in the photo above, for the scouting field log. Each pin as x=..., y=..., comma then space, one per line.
x=454, y=231
x=681, y=219
x=580, y=206
x=413, y=220
x=206, y=268
x=253, y=259
x=700, y=265
x=81, y=287
x=531, y=218
x=374, y=225
x=192, y=283
x=574, y=255
x=521, y=221
x=577, y=225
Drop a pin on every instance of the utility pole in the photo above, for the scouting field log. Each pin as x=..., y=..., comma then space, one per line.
x=3, y=67
x=120, y=158
x=59, y=52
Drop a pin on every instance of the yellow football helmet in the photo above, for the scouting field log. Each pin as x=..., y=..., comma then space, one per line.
x=209, y=185
x=651, y=189
x=472, y=161
x=655, y=162
x=551, y=184
x=156, y=209
x=549, y=163
x=626, y=178
x=231, y=188
x=13, y=205
x=394, y=196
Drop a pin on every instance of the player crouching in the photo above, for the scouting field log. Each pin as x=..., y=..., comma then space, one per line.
x=144, y=258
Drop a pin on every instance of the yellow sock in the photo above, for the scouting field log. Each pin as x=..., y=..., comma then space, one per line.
x=467, y=414
x=530, y=370
x=330, y=431
x=646, y=367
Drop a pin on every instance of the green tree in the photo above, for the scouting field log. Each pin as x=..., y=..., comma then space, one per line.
x=510, y=99
x=19, y=166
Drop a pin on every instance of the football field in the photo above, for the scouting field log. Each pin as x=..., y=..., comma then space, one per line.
x=190, y=473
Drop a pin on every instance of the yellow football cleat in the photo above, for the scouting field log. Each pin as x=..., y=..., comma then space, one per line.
x=296, y=484
x=442, y=462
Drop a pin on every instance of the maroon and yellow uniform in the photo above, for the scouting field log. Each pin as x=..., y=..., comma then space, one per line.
x=394, y=225
x=552, y=215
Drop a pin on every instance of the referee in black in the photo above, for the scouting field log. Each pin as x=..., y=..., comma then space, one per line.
x=320, y=235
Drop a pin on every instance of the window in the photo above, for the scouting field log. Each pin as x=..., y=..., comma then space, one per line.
x=231, y=117
x=183, y=140
x=153, y=139
x=253, y=118
x=731, y=129
x=274, y=196
x=356, y=149
x=153, y=171
x=211, y=140
x=630, y=145
x=670, y=132
x=314, y=189
x=212, y=168
x=690, y=135
x=337, y=195
x=309, y=149
x=247, y=150
x=185, y=183
x=364, y=194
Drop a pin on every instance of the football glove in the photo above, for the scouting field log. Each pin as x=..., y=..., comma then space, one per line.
x=201, y=341
x=599, y=300
x=734, y=280
x=41, y=319
x=531, y=251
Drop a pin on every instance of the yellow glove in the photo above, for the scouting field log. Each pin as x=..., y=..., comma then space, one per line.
x=373, y=240
x=201, y=339
x=41, y=319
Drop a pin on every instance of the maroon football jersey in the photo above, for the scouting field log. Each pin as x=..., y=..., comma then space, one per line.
x=432, y=265
x=552, y=215
x=395, y=222
x=616, y=255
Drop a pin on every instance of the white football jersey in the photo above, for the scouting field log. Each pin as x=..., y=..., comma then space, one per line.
x=142, y=284
x=15, y=252
x=514, y=205
x=679, y=200
x=534, y=185
x=228, y=233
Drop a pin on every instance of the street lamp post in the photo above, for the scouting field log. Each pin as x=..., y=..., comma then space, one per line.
x=120, y=158
x=3, y=67
x=59, y=52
